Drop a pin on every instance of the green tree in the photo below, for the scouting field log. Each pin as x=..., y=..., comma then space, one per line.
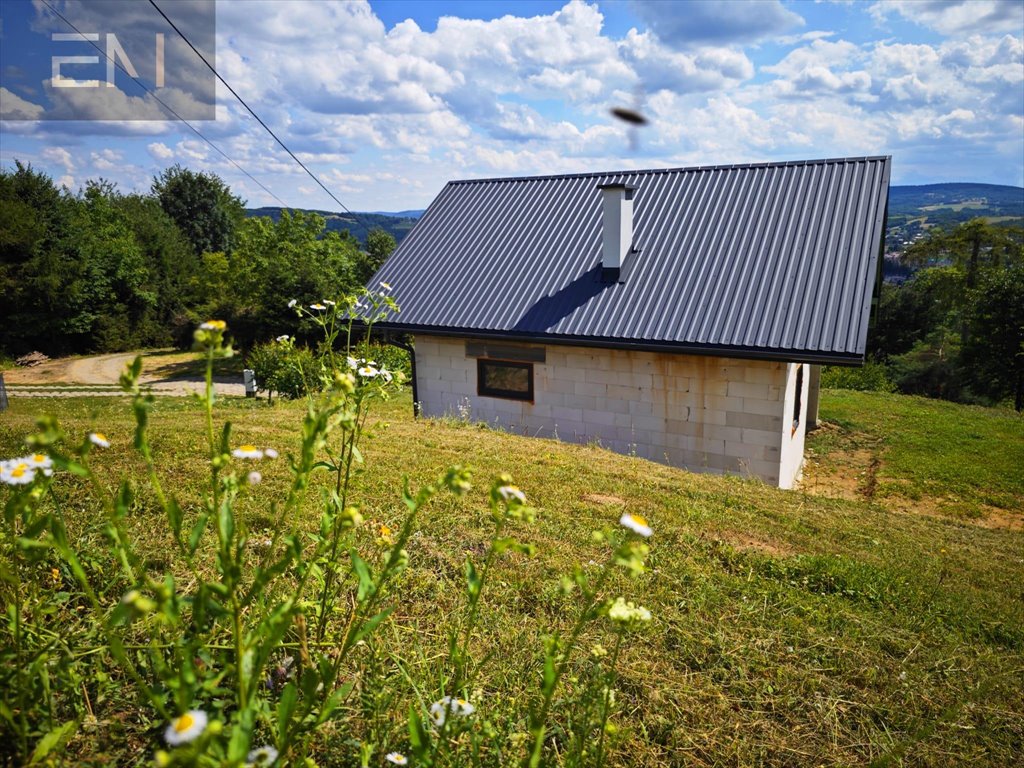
x=203, y=207
x=38, y=280
x=379, y=245
x=274, y=262
x=994, y=352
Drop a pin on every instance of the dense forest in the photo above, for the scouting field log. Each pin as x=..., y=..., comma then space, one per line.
x=103, y=271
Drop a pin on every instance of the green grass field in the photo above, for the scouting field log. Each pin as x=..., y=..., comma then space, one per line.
x=790, y=628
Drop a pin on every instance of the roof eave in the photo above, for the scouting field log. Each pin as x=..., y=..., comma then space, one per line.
x=817, y=357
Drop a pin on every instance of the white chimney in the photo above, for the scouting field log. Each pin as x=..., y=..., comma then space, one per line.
x=618, y=226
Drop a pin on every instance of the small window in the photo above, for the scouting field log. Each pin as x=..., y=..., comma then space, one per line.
x=798, y=399
x=501, y=378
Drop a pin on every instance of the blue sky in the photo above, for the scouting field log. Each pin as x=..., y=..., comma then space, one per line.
x=385, y=101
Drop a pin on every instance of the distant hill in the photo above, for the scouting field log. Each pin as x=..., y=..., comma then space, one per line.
x=912, y=209
x=356, y=223
x=916, y=209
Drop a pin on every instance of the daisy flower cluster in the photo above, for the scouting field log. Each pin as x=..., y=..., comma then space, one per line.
x=449, y=705
x=368, y=369
x=23, y=469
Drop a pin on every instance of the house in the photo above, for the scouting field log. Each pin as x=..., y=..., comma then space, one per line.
x=681, y=315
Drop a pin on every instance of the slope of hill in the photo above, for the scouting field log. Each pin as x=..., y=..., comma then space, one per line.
x=790, y=628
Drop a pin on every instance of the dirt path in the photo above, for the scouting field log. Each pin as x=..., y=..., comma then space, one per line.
x=97, y=375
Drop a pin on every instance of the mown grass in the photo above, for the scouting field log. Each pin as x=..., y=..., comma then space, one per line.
x=958, y=458
x=788, y=629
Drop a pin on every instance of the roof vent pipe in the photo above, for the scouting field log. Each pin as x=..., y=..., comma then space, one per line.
x=618, y=228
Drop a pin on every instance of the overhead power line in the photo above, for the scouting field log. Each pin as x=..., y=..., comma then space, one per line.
x=257, y=117
x=164, y=104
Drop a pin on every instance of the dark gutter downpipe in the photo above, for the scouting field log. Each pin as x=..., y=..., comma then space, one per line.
x=412, y=365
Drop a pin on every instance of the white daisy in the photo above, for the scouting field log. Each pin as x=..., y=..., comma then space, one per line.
x=283, y=337
x=636, y=524
x=368, y=371
x=254, y=478
x=352, y=362
x=265, y=755
x=509, y=492
x=317, y=307
x=446, y=705
x=396, y=758
x=213, y=325
x=329, y=303
x=186, y=728
x=385, y=286
x=16, y=472
x=270, y=453
x=98, y=438
x=292, y=303
x=247, y=452
x=38, y=461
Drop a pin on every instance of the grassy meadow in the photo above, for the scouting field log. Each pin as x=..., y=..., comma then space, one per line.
x=875, y=615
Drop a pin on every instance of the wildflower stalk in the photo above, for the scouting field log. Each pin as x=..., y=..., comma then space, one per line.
x=538, y=721
x=475, y=592
x=606, y=697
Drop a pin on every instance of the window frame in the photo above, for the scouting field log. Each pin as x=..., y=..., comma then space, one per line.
x=505, y=394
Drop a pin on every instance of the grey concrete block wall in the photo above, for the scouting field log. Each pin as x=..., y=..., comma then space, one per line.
x=701, y=413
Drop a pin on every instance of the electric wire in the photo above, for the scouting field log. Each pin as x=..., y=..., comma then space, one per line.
x=166, y=106
x=251, y=111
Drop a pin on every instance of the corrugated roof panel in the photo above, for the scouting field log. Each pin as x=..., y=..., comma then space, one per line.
x=772, y=260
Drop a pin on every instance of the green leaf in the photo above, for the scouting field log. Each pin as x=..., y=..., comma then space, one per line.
x=54, y=740
x=60, y=462
x=363, y=572
x=285, y=709
x=333, y=701
x=419, y=739
x=241, y=737
x=197, y=532
x=174, y=516
x=473, y=581
x=324, y=465
x=371, y=624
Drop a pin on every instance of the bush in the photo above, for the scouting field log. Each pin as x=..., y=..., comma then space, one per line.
x=394, y=359
x=280, y=366
x=871, y=377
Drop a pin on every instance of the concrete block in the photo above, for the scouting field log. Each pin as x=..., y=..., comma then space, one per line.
x=721, y=432
x=744, y=389
x=760, y=437
x=754, y=421
x=567, y=414
x=454, y=374
x=764, y=373
x=640, y=408
x=601, y=376
x=592, y=389
x=600, y=418
x=762, y=407
x=719, y=403
x=745, y=450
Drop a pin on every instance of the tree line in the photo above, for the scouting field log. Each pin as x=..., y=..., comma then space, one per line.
x=955, y=329
x=105, y=271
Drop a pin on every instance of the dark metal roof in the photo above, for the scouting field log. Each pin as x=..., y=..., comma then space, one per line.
x=774, y=260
